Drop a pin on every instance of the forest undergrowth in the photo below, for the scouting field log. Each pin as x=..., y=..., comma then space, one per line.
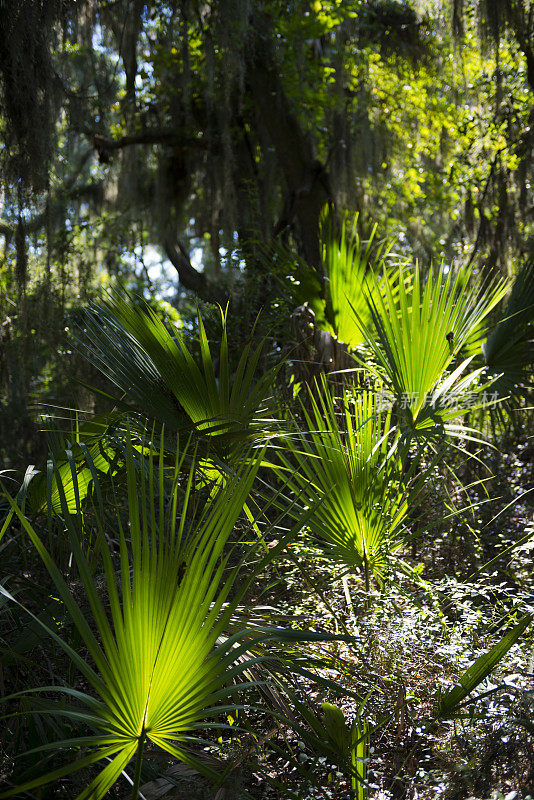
x=210, y=592
x=410, y=640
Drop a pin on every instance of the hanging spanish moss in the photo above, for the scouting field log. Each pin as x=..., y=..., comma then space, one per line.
x=21, y=271
x=29, y=86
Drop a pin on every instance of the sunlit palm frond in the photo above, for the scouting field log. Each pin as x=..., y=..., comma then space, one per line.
x=157, y=663
x=343, y=459
x=349, y=264
x=420, y=332
x=158, y=373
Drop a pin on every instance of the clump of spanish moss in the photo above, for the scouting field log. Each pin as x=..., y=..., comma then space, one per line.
x=28, y=87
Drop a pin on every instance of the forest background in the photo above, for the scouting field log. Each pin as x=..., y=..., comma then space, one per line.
x=187, y=152
x=201, y=137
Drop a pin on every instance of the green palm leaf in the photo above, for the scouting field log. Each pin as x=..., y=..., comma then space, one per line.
x=74, y=474
x=345, y=459
x=480, y=669
x=420, y=331
x=349, y=264
x=157, y=372
x=159, y=666
x=508, y=351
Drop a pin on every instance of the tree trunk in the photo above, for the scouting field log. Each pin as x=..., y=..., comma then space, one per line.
x=307, y=180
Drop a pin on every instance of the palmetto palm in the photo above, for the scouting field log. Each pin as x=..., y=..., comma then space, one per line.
x=509, y=349
x=349, y=265
x=420, y=331
x=157, y=372
x=345, y=459
x=159, y=666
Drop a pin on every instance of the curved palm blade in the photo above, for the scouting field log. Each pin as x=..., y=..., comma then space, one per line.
x=420, y=330
x=160, y=666
x=157, y=371
x=343, y=459
x=508, y=351
x=480, y=669
x=348, y=263
x=74, y=474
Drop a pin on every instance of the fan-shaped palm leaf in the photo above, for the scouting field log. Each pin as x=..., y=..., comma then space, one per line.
x=158, y=665
x=349, y=264
x=420, y=331
x=157, y=372
x=345, y=459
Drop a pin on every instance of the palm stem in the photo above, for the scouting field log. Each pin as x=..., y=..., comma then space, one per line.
x=348, y=598
x=367, y=586
x=138, y=765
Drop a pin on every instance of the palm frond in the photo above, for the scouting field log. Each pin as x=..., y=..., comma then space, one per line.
x=450, y=703
x=420, y=332
x=349, y=264
x=509, y=349
x=157, y=372
x=345, y=459
x=158, y=664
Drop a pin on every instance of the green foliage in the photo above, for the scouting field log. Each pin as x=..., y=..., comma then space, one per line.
x=480, y=669
x=344, y=458
x=349, y=264
x=158, y=639
x=341, y=743
x=351, y=741
x=508, y=351
x=159, y=668
x=420, y=331
x=157, y=371
x=76, y=468
x=209, y=136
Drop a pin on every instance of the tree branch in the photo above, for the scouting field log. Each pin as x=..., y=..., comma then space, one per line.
x=190, y=278
x=169, y=136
